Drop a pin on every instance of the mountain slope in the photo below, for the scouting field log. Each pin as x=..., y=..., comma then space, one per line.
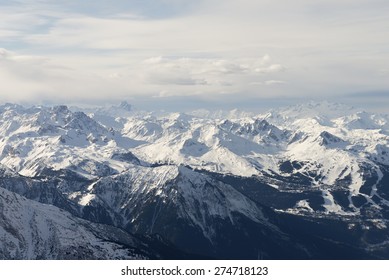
x=31, y=230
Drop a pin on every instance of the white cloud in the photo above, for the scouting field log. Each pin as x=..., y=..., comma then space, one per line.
x=28, y=78
x=384, y=72
x=36, y=78
x=274, y=68
x=206, y=75
x=214, y=47
x=274, y=82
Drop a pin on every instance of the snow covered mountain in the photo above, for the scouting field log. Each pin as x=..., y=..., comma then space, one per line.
x=290, y=183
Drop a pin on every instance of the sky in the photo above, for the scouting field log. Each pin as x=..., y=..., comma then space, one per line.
x=184, y=54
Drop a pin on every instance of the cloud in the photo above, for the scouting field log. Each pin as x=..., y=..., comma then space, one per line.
x=20, y=75
x=370, y=94
x=274, y=68
x=97, y=50
x=205, y=71
x=274, y=82
x=384, y=72
x=77, y=78
x=36, y=78
x=164, y=71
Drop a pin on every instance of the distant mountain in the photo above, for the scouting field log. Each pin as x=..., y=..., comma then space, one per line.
x=303, y=182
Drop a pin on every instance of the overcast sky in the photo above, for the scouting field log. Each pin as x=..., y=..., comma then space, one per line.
x=184, y=54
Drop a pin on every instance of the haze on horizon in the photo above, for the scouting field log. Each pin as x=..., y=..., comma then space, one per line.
x=177, y=55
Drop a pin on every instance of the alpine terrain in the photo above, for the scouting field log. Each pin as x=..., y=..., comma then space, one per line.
x=304, y=182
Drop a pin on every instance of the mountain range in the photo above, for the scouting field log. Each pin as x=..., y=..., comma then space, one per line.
x=309, y=181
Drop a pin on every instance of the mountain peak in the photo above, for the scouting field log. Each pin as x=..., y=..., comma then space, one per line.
x=323, y=111
x=125, y=106
x=328, y=138
x=61, y=109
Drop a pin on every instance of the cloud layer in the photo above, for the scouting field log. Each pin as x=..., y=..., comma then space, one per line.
x=256, y=50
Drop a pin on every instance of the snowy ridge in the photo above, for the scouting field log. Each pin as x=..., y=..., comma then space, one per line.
x=196, y=197
x=29, y=228
x=39, y=137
